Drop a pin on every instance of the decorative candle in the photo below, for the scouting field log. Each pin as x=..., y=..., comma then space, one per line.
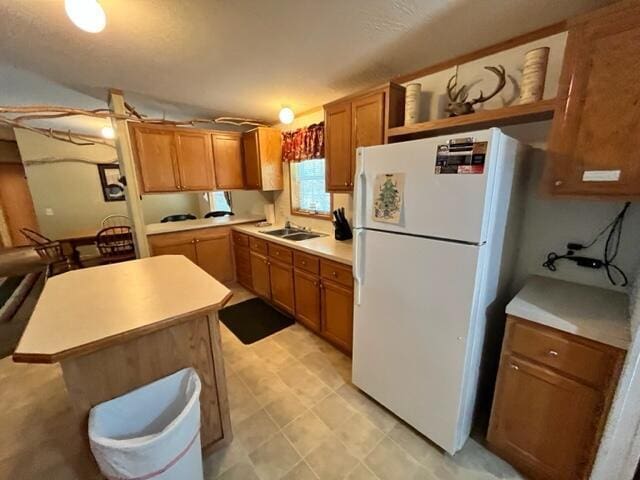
x=412, y=103
x=533, y=75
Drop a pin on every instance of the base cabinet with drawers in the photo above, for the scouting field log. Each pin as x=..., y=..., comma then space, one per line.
x=318, y=292
x=551, y=401
x=209, y=248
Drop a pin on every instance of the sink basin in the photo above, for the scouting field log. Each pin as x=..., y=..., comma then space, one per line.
x=296, y=237
x=281, y=232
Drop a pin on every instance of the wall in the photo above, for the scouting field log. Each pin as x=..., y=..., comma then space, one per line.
x=72, y=189
x=283, y=198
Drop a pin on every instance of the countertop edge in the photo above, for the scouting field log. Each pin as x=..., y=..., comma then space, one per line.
x=295, y=246
x=182, y=227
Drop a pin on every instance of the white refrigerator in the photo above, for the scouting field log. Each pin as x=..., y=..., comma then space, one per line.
x=430, y=222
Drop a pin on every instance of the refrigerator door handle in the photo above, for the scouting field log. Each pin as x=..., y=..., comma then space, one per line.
x=357, y=264
x=359, y=191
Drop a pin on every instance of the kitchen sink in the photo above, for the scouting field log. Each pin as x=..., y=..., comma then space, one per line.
x=296, y=237
x=295, y=234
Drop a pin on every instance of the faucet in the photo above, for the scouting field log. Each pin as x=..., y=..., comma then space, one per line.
x=290, y=224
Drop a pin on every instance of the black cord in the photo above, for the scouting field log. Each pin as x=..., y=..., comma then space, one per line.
x=611, y=249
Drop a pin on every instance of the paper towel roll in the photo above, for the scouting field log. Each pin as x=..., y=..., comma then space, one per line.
x=270, y=213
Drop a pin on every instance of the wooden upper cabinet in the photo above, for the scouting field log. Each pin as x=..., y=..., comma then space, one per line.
x=156, y=158
x=227, y=160
x=367, y=114
x=595, y=136
x=195, y=163
x=358, y=121
x=338, y=151
x=263, y=159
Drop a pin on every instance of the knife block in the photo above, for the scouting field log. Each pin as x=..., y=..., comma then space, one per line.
x=342, y=232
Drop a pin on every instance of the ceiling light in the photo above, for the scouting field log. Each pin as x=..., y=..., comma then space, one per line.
x=107, y=132
x=286, y=115
x=87, y=15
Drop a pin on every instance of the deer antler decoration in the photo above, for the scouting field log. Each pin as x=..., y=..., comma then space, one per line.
x=458, y=104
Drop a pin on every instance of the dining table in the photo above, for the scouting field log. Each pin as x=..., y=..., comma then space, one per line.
x=78, y=238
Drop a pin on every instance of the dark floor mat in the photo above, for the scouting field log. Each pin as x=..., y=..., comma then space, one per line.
x=253, y=320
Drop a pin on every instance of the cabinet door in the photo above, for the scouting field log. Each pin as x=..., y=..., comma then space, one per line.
x=338, y=151
x=227, y=159
x=307, y=292
x=243, y=266
x=194, y=161
x=543, y=422
x=595, y=133
x=368, y=124
x=214, y=255
x=186, y=248
x=253, y=179
x=260, y=275
x=337, y=314
x=156, y=160
x=282, y=286
x=270, y=158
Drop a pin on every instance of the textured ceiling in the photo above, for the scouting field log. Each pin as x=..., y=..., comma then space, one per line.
x=250, y=57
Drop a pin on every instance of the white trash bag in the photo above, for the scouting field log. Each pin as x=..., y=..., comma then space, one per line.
x=152, y=433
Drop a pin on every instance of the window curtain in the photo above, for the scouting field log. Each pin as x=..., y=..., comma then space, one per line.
x=304, y=143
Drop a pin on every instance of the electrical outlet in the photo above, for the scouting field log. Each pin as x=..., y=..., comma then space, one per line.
x=48, y=212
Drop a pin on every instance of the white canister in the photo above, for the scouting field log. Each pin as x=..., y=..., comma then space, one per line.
x=412, y=103
x=534, y=74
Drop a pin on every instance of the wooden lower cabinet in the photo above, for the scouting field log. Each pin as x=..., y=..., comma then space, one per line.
x=307, y=291
x=337, y=314
x=546, y=421
x=209, y=248
x=281, y=276
x=261, y=280
x=318, y=292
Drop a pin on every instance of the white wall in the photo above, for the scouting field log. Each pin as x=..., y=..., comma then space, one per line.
x=72, y=189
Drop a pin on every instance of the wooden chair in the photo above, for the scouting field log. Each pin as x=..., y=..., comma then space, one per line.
x=116, y=220
x=115, y=244
x=50, y=251
x=218, y=213
x=178, y=218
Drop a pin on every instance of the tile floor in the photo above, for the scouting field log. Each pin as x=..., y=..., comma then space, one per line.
x=295, y=415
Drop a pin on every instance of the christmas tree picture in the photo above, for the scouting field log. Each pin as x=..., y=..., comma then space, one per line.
x=388, y=202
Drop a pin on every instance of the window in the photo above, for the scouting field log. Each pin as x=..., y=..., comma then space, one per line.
x=308, y=195
x=220, y=202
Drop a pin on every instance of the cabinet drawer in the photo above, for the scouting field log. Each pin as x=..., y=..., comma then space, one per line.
x=281, y=254
x=258, y=245
x=305, y=262
x=336, y=272
x=581, y=358
x=240, y=239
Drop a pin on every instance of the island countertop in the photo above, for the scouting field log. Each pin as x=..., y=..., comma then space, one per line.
x=170, y=227
x=85, y=310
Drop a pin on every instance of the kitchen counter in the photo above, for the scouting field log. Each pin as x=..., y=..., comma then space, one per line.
x=594, y=313
x=115, y=328
x=326, y=246
x=170, y=227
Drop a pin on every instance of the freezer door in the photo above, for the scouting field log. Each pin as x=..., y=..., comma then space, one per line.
x=411, y=327
x=440, y=205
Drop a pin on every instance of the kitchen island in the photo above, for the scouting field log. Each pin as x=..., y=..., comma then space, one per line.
x=117, y=327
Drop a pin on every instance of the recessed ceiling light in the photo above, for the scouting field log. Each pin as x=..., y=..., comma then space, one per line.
x=107, y=132
x=87, y=15
x=286, y=115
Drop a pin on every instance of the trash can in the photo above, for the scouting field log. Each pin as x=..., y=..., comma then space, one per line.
x=152, y=432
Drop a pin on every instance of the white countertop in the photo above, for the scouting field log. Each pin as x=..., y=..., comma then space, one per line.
x=88, y=309
x=326, y=246
x=169, y=227
x=590, y=312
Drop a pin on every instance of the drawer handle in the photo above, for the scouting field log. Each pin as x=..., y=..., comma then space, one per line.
x=514, y=366
x=277, y=252
x=304, y=262
x=553, y=353
x=335, y=274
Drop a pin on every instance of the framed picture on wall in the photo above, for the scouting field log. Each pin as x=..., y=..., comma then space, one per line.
x=111, y=182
